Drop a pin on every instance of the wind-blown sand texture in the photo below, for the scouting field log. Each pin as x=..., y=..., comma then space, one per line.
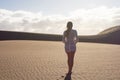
x=46, y=60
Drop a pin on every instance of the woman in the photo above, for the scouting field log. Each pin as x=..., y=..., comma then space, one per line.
x=70, y=39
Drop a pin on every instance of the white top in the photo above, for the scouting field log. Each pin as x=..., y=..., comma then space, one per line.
x=71, y=39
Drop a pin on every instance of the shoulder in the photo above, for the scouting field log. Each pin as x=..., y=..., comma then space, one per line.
x=74, y=30
x=64, y=32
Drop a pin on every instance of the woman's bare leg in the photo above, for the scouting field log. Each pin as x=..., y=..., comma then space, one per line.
x=70, y=61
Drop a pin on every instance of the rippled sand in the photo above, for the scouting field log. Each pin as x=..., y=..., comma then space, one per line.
x=46, y=60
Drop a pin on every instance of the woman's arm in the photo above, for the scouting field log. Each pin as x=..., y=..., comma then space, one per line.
x=63, y=38
x=76, y=39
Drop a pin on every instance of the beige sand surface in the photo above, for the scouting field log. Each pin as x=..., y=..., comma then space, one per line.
x=46, y=60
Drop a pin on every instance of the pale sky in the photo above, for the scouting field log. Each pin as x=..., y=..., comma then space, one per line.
x=50, y=16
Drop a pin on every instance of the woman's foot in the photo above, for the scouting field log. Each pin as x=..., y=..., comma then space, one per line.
x=68, y=76
x=69, y=73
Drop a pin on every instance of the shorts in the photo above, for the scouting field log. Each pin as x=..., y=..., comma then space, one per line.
x=70, y=48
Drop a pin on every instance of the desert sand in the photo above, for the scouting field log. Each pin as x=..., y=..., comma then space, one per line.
x=46, y=60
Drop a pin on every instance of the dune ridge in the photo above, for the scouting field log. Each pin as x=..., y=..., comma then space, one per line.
x=110, y=36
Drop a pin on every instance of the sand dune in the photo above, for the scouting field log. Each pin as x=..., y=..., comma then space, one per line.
x=109, y=36
x=46, y=60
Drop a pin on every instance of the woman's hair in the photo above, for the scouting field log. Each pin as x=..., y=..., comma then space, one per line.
x=69, y=27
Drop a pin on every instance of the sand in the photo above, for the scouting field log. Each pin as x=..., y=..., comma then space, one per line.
x=46, y=60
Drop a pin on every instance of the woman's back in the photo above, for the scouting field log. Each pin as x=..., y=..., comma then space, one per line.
x=71, y=38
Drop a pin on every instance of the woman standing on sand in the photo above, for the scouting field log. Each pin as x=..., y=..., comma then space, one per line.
x=70, y=39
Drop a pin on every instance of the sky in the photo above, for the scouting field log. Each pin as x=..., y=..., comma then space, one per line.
x=89, y=17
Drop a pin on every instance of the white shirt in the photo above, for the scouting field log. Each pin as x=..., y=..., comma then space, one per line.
x=72, y=38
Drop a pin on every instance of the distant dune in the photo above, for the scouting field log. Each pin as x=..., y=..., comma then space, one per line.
x=12, y=35
x=110, y=30
x=110, y=36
